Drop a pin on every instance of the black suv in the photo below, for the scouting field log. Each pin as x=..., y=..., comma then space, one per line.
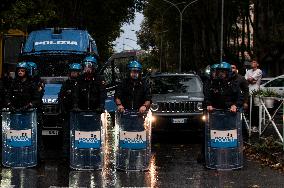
x=177, y=101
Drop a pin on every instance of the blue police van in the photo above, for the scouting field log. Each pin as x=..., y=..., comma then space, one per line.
x=53, y=49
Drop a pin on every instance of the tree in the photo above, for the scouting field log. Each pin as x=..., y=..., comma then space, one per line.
x=103, y=19
x=201, y=31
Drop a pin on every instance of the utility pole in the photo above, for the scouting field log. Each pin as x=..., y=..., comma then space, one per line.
x=180, y=27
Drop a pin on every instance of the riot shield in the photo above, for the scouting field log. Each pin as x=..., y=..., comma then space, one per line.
x=87, y=136
x=19, y=138
x=133, y=141
x=223, y=140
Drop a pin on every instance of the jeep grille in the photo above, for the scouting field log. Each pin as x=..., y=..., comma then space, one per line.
x=51, y=109
x=177, y=106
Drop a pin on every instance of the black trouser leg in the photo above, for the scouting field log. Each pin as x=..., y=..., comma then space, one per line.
x=40, y=147
x=66, y=137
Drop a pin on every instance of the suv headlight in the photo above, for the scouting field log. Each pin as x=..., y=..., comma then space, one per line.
x=154, y=107
x=199, y=106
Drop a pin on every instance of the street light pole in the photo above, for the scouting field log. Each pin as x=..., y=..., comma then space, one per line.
x=180, y=27
x=161, y=50
x=222, y=32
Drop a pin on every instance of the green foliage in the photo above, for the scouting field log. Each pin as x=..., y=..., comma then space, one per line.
x=103, y=19
x=24, y=13
x=265, y=93
x=257, y=93
x=201, y=30
x=269, y=93
x=149, y=61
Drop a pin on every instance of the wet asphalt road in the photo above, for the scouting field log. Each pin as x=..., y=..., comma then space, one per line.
x=173, y=164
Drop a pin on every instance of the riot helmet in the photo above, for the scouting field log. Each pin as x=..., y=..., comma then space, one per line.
x=75, y=70
x=224, y=70
x=32, y=68
x=22, y=68
x=90, y=63
x=213, y=70
x=135, y=69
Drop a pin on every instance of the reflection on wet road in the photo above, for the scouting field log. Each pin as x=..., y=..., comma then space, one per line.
x=172, y=165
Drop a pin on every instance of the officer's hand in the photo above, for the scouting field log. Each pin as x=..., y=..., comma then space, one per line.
x=142, y=109
x=209, y=108
x=233, y=108
x=120, y=108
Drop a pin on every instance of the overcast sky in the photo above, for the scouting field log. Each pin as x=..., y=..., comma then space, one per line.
x=129, y=32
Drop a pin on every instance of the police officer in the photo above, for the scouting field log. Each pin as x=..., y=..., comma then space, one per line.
x=243, y=85
x=91, y=87
x=23, y=92
x=224, y=92
x=133, y=93
x=212, y=76
x=39, y=83
x=67, y=93
x=33, y=73
x=67, y=96
x=206, y=90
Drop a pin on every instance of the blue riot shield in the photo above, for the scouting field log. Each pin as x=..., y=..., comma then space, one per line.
x=133, y=145
x=223, y=141
x=19, y=139
x=87, y=137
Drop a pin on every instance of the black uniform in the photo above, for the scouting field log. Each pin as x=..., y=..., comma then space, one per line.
x=243, y=85
x=80, y=94
x=39, y=83
x=7, y=82
x=133, y=93
x=222, y=94
x=22, y=93
x=91, y=93
x=67, y=95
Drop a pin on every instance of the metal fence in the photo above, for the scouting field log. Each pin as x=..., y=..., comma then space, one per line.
x=270, y=119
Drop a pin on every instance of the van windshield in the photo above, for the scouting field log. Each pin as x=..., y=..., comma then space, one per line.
x=175, y=84
x=54, y=80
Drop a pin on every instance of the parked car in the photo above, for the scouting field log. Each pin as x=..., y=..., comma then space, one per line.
x=177, y=101
x=276, y=84
x=264, y=80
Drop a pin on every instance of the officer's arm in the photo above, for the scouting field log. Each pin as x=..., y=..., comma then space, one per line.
x=238, y=100
x=8, y=95
x=117, y=94
x=245, y=89
x=36, y=96
x=208, y=94
x=148, y=96
x=103, y=93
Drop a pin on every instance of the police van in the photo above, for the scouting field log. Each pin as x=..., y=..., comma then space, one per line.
x=53, y=49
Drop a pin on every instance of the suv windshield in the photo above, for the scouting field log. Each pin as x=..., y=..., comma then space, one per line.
x=175, y=84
